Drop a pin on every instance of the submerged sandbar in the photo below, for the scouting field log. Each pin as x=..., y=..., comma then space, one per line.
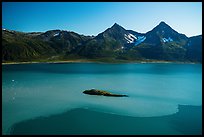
x=80, y=121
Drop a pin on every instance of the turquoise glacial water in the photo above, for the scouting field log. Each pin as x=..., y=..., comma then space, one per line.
x=33, y=90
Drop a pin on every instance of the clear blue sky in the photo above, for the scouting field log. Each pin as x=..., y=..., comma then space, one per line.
x=91, y=18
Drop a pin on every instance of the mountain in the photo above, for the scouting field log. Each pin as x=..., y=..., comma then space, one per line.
x=194, y=48
x=163, y=34
x=112, y=43
x=115, y=43
x=163, y=42
x=63, y=41
x=119, y=34
x=18, y=46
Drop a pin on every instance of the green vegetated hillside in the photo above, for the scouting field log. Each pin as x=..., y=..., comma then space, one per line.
x=116, y=43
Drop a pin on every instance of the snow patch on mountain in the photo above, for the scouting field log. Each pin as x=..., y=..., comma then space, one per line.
x=130, y=38
x=131, y=35
x=7, y=30
x=167, y=40
x=139, y=40
x=56, y=34
x=134, y=39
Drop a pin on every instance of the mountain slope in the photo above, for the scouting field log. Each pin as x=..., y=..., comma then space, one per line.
x=104, y=44
x=110, y=43
x=160, y=43
x=18, y=46
x=163, y=33
x=163, y=43
x=194, y=48
x=63, y=41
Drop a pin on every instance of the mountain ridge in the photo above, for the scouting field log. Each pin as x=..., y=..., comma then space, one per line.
x=160, y=43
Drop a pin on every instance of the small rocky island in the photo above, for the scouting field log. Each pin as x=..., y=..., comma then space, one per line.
x=102, y=92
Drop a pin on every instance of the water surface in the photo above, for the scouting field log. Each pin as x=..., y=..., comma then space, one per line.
x=32, y=90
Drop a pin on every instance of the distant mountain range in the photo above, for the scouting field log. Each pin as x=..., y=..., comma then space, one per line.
x=162, y=43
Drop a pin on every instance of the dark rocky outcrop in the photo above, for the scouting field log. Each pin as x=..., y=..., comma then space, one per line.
x=102, y=92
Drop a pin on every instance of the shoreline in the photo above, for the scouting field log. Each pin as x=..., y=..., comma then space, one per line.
x=47, y=62
x=95, y=61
